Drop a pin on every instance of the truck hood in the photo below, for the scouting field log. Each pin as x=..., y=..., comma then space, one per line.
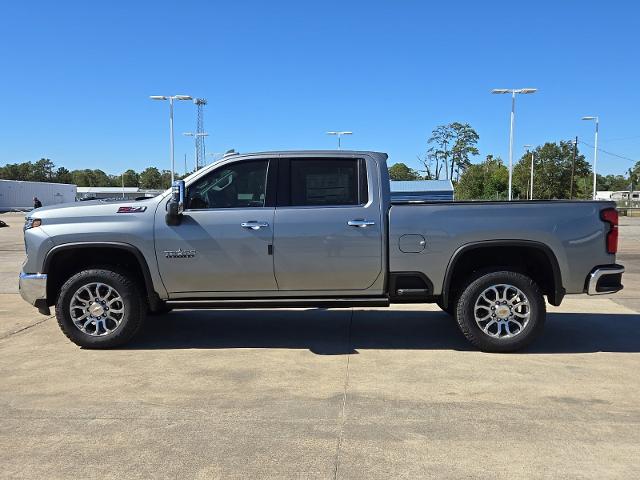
x=91, y=208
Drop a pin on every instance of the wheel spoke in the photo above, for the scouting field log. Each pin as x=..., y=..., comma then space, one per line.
x=91, y=312
x=506, y=307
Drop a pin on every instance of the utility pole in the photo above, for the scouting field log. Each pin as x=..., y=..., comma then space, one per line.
x=171, y=150
x=595, y=152
x=573, y=166
x=513, y=92
x=339, y=135
x=200, y=133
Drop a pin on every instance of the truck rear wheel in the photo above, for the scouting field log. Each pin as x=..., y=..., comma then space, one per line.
x=100, y=308
x=501, y=311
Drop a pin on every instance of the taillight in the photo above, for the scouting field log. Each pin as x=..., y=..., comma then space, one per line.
x=610, y=216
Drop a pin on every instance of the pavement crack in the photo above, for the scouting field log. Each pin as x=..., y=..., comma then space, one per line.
x=344, y=400
x=11, y=334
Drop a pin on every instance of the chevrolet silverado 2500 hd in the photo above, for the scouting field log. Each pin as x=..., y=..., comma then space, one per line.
x=313, y=228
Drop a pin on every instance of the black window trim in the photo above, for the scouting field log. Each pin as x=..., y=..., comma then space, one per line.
x=271, y=187
x=283, y=196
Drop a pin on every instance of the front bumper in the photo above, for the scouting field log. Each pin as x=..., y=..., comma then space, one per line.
x=33, y=289
x=605, y=279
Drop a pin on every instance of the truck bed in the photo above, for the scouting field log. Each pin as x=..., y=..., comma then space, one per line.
x=572, y=230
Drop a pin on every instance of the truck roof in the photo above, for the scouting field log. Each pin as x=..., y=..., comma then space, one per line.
x=314, y=153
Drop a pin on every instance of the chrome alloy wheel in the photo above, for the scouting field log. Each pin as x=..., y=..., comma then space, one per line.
x=502, y=311
x=96, y=309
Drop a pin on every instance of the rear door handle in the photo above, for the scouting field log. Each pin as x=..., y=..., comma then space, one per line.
x=360, y=223
x=253, y=225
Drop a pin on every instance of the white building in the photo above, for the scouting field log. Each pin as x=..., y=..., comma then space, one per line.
x=18, y=195
x=421, y=190
x=619, y=196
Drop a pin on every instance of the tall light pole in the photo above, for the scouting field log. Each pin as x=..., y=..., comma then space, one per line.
x=528, y=147
x=513, y=92
x=171, y=98
x=195, y=137
x=339, y=134
x=595, y=151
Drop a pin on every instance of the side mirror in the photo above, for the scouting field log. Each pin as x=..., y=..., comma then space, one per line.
x=176, y=203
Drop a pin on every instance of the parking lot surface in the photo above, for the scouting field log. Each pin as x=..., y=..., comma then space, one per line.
x=314, y=393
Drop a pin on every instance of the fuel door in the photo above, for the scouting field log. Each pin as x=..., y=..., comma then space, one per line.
x=412, y=243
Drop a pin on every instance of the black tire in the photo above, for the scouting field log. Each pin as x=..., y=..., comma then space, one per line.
x=465, y=314
x=133, y=305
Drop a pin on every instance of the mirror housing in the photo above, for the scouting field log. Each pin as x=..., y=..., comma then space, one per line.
x=176, y=203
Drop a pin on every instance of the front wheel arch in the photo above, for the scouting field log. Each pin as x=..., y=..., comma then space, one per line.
x=65, y=260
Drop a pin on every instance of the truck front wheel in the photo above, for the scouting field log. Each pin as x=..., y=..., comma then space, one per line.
x=100, y=308
x=501, y=311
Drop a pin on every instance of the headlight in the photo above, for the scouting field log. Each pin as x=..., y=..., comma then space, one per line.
x=31, y=223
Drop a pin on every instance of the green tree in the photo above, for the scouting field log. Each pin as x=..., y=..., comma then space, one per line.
x=131, y=178
x=150, y=177
x=613, y=182
x=400, y=171
x=483, y=181
x=90, y=178
x=453, y=145
x=436, y=159
x=551, y=172
x=166, y=179
x=42, y=171
x=63, y=175
x=465, y=140
x=17, y=171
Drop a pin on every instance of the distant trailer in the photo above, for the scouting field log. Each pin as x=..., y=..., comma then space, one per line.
x=421, y=191
x=18, y=195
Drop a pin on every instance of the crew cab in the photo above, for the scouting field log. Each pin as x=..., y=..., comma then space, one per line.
x=313, y=229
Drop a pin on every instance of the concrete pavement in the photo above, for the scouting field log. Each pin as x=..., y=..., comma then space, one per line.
x=348, y=393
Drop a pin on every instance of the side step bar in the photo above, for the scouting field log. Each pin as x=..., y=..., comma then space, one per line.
x=280, y=303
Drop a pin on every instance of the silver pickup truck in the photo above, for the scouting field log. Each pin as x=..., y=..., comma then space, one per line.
x=313, y=229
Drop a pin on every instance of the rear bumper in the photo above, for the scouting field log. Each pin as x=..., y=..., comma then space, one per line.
x=605, y=279
x=33, y=289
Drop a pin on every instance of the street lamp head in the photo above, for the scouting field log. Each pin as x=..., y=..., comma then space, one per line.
x=527, y=146
x=188, y=134
x=526, y=91
x=589, y=117
x=500, y=90
x=183, y=97
x=158, y=97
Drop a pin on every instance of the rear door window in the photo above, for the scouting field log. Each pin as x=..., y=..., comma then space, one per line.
x=327, y=182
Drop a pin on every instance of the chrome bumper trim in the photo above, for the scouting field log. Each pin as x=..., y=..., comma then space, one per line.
x=33, y=287
x=597, y=274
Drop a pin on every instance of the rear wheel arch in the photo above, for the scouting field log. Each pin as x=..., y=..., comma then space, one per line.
x=529, y=257
x=63, y=261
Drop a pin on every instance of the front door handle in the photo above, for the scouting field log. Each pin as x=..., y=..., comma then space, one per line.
x=360, y=223
x=253, y=225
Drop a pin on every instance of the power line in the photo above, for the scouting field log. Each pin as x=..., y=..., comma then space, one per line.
x=609, y=153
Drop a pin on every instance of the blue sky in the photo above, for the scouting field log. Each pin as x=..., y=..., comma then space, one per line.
x=76, y=76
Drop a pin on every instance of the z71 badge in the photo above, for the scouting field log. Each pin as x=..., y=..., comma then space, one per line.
x=179, y=253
